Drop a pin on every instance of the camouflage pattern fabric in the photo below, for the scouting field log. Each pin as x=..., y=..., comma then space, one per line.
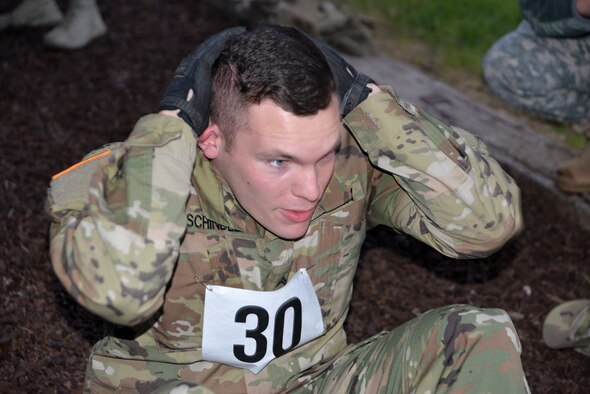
x=428, y=354
x=568, y=326
x=116, y=247
x=157, y=226
x=546, y=76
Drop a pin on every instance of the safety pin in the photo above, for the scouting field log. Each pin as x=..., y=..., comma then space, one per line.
x=201, y=283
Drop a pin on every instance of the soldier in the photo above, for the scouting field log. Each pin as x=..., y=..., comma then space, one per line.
x=542, y=67
x=81, y=25
x=222, y=237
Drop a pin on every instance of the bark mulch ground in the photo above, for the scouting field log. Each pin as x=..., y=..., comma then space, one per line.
x=56, y=106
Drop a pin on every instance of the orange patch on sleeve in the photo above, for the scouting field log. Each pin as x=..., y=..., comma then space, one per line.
x=80, y=164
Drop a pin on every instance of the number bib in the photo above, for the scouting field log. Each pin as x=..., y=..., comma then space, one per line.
x=248, y=329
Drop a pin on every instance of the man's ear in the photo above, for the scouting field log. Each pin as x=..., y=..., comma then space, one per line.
x=211, y=141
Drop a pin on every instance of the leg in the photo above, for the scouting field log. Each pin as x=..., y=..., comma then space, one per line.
x=547, y=76
x=83, y=23
x=454, y=349
x=34, y=13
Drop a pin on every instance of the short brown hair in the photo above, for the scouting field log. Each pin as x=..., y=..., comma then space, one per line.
x=269, y=61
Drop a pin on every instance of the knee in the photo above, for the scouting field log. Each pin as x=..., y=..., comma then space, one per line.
x=511, y=70
x=491, y=328
x=504, y=70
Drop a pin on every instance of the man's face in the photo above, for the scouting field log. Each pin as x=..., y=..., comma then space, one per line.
x=279, y=165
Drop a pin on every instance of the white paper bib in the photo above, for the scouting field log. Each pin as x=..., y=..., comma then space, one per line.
x=248, y=329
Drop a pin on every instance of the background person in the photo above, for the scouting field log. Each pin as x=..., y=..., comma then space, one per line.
x=544, y=67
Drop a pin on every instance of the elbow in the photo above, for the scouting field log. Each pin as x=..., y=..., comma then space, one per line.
x=490, y=239
x=506, y=229
x=129, y=308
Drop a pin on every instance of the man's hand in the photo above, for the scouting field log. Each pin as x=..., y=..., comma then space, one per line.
x=351, y=85
x=189, y=93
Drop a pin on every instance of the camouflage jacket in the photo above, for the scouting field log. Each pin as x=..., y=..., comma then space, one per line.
x=144, y=226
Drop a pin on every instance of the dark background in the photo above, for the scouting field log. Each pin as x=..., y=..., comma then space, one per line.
x=56, y=106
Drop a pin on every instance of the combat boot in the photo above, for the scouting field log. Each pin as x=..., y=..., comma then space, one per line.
x=573, y=176
x=568, y=326
x=35, y=13
x=83, y=23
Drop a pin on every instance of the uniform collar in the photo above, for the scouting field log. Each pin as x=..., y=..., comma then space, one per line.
x=218, y=202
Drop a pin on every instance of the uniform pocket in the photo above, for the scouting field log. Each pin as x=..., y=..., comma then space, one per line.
x=205, y=259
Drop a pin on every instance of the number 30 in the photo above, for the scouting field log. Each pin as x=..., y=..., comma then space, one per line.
x=279, y=329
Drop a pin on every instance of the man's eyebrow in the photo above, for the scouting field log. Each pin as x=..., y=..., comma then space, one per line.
x=279, y=154
x=276, y=154
x=335, y=147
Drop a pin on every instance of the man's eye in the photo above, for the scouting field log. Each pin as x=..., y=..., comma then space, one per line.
x=278, y=163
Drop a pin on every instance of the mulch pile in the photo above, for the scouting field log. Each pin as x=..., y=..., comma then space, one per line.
x=57, y=106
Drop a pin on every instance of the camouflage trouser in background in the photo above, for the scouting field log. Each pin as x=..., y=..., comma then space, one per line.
x=454, y=349
x=547, y=76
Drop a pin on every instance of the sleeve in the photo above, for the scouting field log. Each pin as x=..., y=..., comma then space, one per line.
x=436, y=183
x=118, y=218
x=553, y=18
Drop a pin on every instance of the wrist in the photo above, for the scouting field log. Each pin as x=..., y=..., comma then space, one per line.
x=374, y=88
x=169, y=112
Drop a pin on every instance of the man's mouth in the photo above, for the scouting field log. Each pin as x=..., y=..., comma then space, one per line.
x=297, y=216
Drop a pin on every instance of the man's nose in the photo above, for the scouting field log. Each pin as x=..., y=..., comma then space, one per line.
x=307, y=185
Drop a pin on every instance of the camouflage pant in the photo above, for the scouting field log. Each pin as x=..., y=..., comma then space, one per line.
x=543, y=75
x=453, y=349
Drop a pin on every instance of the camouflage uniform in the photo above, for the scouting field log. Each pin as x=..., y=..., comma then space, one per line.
x=568, y=326
x=141, y=233
x=544, y=65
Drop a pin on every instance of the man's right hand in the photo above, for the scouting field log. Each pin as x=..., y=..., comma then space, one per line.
x=189, y=93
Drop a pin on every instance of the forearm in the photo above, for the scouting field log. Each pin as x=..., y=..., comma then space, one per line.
x=442, y=187
x=117, y=253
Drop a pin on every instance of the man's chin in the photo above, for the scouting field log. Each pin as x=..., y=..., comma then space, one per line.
x=292, y=233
